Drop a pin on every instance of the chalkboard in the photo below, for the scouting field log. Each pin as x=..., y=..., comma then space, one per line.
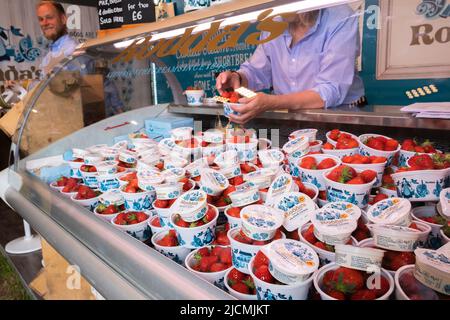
x=138, y=11
x=110, y=14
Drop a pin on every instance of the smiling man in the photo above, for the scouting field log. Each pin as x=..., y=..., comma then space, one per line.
x=52, y=19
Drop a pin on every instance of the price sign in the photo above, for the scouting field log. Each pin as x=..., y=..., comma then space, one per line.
x=138, y=11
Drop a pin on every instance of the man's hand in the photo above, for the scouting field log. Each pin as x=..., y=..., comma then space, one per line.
x=226, y=80
x=9, y=84
x=251, y=107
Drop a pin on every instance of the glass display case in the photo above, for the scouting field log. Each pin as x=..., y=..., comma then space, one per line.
x=128, y=91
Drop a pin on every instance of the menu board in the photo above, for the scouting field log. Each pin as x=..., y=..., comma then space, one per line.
x=138, y=11
x=110, y=14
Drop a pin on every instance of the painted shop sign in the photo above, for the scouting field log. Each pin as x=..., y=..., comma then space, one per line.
x=213, y=39
x=414, y=40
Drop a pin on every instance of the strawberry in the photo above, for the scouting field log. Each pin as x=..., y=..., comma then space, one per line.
x=428, y=147
x=234, y=212
x=375, y=143
x=327, y=146
x=334, y=134
x=391, y=145
x=260, y=260
x=335, y=294
x=347, y=280
x=240, y=287
x=263, y=273
x=161, y=203
x=408, y=145
x=364, y=294
x=327, y=279
x=422, y=161
x=308, y=163
x=379, y=197
x=368, y=175
x=309, y=236
x=225, y=256
x=246, y=168
x=356, y=180
x=326, y=164
x=342, y=174
x=217, y=266
x=236, y=275
x=344, y=143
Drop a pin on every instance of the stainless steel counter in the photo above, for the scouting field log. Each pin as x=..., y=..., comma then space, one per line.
x=385, y=116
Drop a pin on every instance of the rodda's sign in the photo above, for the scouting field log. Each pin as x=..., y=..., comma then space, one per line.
x=212, y=39
x=431, y=10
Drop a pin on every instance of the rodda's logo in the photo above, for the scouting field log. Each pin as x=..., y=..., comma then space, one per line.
x=212, y=39
x=432, y=8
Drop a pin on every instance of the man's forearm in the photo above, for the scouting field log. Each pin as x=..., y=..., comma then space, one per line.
x=296, y=101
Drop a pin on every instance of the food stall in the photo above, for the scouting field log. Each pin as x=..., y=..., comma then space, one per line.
x=173, y=154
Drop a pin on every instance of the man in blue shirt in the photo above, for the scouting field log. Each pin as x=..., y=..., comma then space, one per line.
x=311, y=66
x=52, y=19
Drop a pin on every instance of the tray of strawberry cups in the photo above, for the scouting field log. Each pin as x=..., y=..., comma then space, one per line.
x=335, y=219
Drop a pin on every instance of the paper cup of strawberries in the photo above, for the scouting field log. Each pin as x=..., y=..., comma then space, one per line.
x=334, y=136
x=89, y=174
x=424, y=178
x=136, y=198
x=292, y=262
x=155, y=224
x=71, y=188
x=210, y=263
x=344, y=183
x=411, y=147
x=407, y=287
x=361, y=163
x=334, y=282
x=135, y=223
x=198, y=233
x=111, y=203
x=166, y=242
x=194, y=96
x=75, y=166
x=244, y=248
x=245, y=146
x=86, y=197
x=428, y=279
x=379, y=146
x=240, y=285
x=62, y=182
x=312, y=167
x=233, y=215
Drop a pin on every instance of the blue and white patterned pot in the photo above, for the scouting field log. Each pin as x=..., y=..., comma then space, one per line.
x=89, y=204
x=314, y=177
x=246, y=151
x=270, y=291
x=194, y=97
x=139, y=200
x=216, y=278
x=241, y=253
x=421, y=185
x=177, y=254
x=140, y=231
x=75, y=171
x=197, y=237
x=357, y=194
x=227, y=111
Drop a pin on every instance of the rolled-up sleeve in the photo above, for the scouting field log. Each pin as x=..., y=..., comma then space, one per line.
x=258, y=70
x=338, y=62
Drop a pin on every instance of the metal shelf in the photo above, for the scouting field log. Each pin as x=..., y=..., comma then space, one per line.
x=385, y=116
